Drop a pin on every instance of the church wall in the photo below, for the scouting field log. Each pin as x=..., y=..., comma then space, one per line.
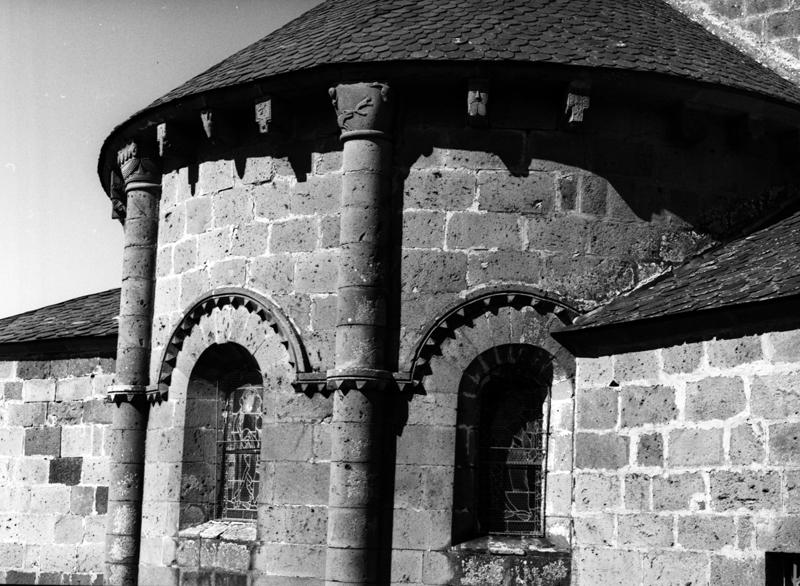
x=686, y=462
x=54, y=460
x=580, y=214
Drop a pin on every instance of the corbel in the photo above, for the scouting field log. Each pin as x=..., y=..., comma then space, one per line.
x=691, y=124
x=478, y=103
x=578, y=101
x=218, y=125
x=118, y=197
x=173, y=140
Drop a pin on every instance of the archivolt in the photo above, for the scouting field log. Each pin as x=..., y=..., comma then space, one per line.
x=266, y=310
x=464, y=315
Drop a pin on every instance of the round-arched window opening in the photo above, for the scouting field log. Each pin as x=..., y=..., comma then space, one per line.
x=501, y=445
x=222, y=437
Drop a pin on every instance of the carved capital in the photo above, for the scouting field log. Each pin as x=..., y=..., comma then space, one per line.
x=362, y=109
x=139, y=170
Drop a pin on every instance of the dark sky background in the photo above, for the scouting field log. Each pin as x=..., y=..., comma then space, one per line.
x=71, y=70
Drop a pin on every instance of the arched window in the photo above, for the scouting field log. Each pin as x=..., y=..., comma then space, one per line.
x=222, y=437
x=501, y=451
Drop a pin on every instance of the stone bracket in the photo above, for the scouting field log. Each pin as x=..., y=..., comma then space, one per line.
x=173, y=141
x=478, y=103
x=126, y=393
x=271, y=115
x=578, y=101
x=218, y=126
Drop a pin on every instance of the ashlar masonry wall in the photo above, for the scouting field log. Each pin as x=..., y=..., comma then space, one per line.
x=687, y=462
x=53, y=470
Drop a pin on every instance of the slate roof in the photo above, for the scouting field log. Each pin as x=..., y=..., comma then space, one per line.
x=639, y=35
x=88, y=316
x=760, y=267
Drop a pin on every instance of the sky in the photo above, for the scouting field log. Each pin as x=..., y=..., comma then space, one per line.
x=70, y=71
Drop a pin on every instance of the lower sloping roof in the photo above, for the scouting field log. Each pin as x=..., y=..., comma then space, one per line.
x=89, y=316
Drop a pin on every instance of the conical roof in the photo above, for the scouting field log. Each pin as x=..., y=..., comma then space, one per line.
x=635, y=35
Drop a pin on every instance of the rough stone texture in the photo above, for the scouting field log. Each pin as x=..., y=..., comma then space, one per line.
x=52, y=462
x=715, y=480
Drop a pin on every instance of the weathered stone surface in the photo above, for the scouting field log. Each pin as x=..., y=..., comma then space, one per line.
x=636, y=366
x=678, y=492
x=427, y=271
x=675, y=567
x=785, y=346
x=614, y=567
x=504, y=265
x=748, y=489
x=596, y=492
x=294, y=235
x=439, y=189
x=471, y=230
x=44, y=441
x=695, y=447
x=65, y=471
x=601, y=451
x=423, y=229
x=735, y=572
x=558, y=233
x=747, y=444
x=645, y=530
x=714, y=398
x=775, y=396
x=502, y=192
x=647, y=405
x=706, y=531
x=784, y=443
x=728, y=353
x=650, y=450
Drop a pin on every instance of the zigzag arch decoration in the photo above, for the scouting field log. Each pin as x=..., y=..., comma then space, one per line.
x=266, y=310
x=416, y=364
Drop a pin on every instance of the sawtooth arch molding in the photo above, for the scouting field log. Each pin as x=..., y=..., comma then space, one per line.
x=514, y=307
x=259, y=308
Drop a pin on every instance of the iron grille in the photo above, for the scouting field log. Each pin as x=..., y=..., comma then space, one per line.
x=238, y=449
x=513, y=470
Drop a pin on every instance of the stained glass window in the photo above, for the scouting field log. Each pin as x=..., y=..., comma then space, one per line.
x=238, y=449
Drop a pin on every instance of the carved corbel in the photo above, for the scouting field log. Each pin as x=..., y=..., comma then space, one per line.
x=478, y=103
x=263, y=111
x=217, y=126
x=172, y=140
x=362, y=109
x=578, y=101
x=118, y=197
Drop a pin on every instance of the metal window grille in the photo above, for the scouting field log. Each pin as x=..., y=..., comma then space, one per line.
x=512, y=464
x=238, y=449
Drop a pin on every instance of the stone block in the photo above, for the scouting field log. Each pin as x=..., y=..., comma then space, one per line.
x=785, y=346
x=329, y=231
x=297, y=561
x=679, y=492
x=233, y=556
x=258, y=170
x=645, y=530
x=734, y=352
x=426, y=444
x=214, y=176
x=601, y=451
x=717, y=397
x=97, y=411
x=439, y=189
x=65, y=413
x=596, y=492
x=553, y=233
x=643, y=405
x=25, y=414
x=198, y=215
x=706, y=532
x=65, y=471
x=74, y=389
x=784, y=443
x=567, y=188
x=300, y=483
x=636, y=366
x=39, y=390
x=636, y=492
x=437, y=569
x=504, y=265
x=433, y=271
x=172, y=225
x=50, y=499
x=775, y=396
x=287, y=442
x=294, y=235
x=753, y=490
x=650, y=450
x=624, y=240
x=423, y=229
x=30, y=470
x=271, y=274
x=606, y=566
x=593, y=195
x=695, y=447
x=406, y=566
x=483, y=231
x=675, y=567
x=69, y=529
x=251, y=239
x=101, y=500
x=81, y=500
x=12, y=391
x=594, y=530
x=747, y=444
x=318, y=194
x=188, y=553
x=184, y=255
x=229, y=273
x=594, y=372
x=778, y=533
x=272, y=200
x=503, y=192
x=12, y=554
x=214, y=245
x=316, y=273
x=45, y=441
x=20, y=577
x=682, y=359
x=737, y=572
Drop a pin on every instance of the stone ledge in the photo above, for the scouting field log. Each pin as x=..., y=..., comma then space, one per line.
x=508, y=545
x=222, y=530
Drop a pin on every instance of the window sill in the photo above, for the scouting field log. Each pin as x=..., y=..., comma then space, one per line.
x=238, y=531
x=508, y=545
